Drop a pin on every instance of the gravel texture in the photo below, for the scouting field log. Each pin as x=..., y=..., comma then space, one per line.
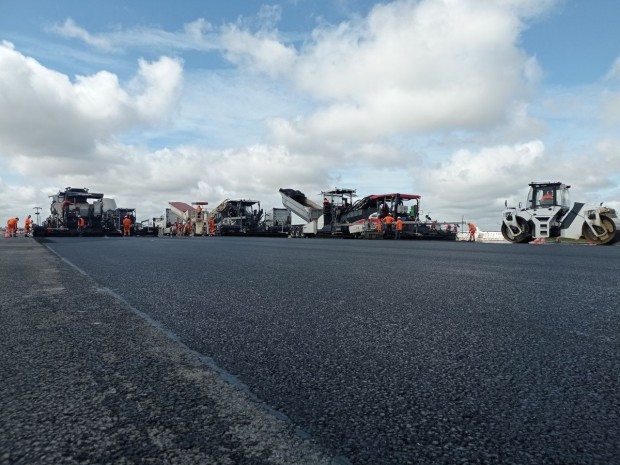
x=381, y=352
x=84, y=379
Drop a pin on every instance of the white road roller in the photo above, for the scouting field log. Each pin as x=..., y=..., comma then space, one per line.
x=549, y=214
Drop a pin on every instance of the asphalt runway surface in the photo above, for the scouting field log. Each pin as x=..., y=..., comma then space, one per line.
x=389, y=352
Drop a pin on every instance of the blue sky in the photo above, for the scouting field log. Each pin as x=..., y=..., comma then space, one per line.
x=461, y=101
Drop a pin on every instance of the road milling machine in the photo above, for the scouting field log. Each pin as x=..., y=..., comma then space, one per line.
x=549, y=214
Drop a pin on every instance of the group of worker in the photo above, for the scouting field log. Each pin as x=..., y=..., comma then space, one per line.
x=211, y=227
x=185, y=228
x=386, y=224
x=12, y=227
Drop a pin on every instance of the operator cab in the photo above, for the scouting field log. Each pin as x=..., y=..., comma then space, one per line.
x=548, y=194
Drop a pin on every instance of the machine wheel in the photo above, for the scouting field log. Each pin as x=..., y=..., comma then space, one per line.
x=608, y=231
x=514, y=236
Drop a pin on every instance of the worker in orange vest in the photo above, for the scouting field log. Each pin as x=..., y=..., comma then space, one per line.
x=389, y=219
x=11, y=227
x=547, y=198
x=127, y=226
x=81, y=223
x=211, y=226
x=379, y=226
x=472, y=232
x=399, y=227
x=27, y=226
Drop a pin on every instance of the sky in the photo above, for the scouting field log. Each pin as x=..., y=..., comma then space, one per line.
x=463, y=102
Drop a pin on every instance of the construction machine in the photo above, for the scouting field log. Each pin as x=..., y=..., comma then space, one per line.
x=320, y=220
x=246, y=217
x=73, y=203
x=548, y=213
x=341, y=216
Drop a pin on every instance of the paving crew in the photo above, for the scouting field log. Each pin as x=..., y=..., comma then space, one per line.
x=472, y=232
x=399, y=227
x=81, y=223
x=389, y=219
x=28, y=226
x=11, y=227
x=379, y=225
x=199, y=212
x=127, y=226
x=211, y=226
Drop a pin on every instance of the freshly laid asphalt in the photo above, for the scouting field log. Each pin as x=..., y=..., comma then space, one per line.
x=257, y=350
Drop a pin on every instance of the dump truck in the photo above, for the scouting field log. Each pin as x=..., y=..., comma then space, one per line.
x=548, y=213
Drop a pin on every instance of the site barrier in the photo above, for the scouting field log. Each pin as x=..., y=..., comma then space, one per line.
x=482, y=236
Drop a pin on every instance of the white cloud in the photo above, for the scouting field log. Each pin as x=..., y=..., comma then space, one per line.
x=412, y=66
x=70, y=29
x=478, y=181
x=194, y=35
x=259, y=53
x=196, y=30
x=419, y=66
x=613, y=74
x=43, y=113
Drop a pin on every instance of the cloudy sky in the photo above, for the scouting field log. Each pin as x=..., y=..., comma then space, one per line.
x=461, y=101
